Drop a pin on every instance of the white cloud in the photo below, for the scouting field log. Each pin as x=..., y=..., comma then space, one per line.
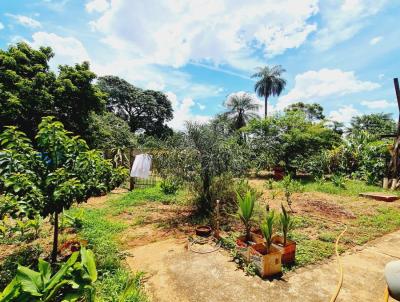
x=68, y=50
x=173, y=32
x=183, y=112
x=381, y=76
x=378, y=104
x=344, y=114
x=316, y=85
x=97, y=6
x=341, y=20
x=26, y=21
x=201, y=106
x=1, y=26
x=375, y=40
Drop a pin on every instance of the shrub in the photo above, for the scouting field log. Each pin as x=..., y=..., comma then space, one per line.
x=169, y=186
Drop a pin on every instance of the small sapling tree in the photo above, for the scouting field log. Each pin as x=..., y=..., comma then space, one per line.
x=48, y=179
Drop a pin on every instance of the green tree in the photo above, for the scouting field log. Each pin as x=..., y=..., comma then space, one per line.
x=241, y=108
x=270, y=82
x=30, y=91
x=313, y=112
x=288, y=139
x=47, y=180
x=146, y=110
x=27, y=86
x=76, y=97
x=108, y=131
x=374, y=123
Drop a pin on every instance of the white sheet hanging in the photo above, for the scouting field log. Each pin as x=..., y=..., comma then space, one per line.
x=141, y=166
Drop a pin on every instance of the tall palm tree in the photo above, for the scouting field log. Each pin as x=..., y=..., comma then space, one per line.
x=241, y=108
x=270, y=82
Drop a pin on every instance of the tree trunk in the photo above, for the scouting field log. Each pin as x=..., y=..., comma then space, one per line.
x=55, y=239
x=266, y=106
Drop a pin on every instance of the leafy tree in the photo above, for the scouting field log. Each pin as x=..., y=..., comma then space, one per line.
x=76, y=97
x=241, y=108
x=288, y=140
x=47, y=180
x=30, y=91
x=270, y=82
x=108, y=131
x=27, y=86
x=146, y=110
x=375, y=123
x=313, y=112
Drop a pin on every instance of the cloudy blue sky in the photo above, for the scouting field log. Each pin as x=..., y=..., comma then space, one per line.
x=342, y=54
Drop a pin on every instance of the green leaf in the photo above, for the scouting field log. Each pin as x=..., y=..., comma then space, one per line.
x=11, y=291
x=45, y=270
x=30, y=280
x=89, y=263
x=61, y=273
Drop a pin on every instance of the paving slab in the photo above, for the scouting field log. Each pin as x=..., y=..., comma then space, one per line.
x=176, y=274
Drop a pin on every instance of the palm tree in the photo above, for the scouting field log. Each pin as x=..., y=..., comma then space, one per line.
x=270, y=82
x=241, y=108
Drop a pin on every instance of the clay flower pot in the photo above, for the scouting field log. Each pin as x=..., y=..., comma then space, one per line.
x=279, y=173
x=267, y=264
x=288, y=251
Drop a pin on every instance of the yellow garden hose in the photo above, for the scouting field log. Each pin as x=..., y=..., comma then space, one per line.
x=386, y=295
x=340, y=282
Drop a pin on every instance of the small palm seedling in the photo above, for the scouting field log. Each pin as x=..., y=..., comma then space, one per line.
x=289, y=187
x=286, y=223
x=245, y=211
x=267, y=229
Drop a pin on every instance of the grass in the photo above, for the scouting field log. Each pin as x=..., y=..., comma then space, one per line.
x=114, y=278
x=352, y=187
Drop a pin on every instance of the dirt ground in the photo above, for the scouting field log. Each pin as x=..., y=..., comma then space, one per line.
x=176, y=274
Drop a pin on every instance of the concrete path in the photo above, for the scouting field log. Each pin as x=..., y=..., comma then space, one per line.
x=175, y=274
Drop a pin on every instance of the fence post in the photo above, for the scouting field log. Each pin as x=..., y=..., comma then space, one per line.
x=131, y=180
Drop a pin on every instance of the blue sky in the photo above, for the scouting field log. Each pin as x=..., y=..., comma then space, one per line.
x=342, y=54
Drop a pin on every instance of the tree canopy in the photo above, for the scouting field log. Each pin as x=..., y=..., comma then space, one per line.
x=313, y=112
x=146, y=110
x=374, y=123
x=30, y=91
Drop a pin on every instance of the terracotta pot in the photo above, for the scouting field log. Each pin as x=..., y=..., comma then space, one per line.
x=257, y=236
x=267, y=264
x=288, y=251
x=203, y=231
x=242, y=248
x=279, y=173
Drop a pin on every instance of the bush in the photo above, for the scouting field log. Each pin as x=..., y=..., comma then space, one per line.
x=169, y=186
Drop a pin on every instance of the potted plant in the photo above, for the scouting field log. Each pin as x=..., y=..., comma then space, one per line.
x=245, y=212
x=286, y=246
x=265, y=256
x=279, y=170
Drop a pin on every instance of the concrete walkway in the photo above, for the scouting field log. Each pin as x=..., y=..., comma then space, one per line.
x=176, y=274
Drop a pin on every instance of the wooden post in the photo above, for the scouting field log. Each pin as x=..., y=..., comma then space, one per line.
x=397, y=89
x=131, y=179
x=216, y=232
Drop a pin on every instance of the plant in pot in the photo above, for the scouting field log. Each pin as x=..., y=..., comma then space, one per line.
x=286, y=246
x=265, y=256
x=245, y=212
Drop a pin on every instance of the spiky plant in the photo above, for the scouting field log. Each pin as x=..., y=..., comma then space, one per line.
x=245, y=211
x=286, y=223
x=267, y=229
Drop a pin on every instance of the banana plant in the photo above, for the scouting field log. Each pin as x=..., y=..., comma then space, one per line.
x=73, y=281
x=286, y=223
x=267, y=229
x=245, y=211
